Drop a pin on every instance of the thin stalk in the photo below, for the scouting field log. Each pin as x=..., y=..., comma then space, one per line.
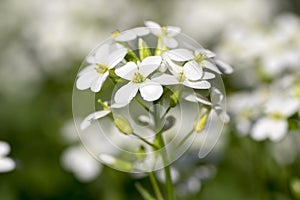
x=155, y=186
x=142, y=104
x=145, y=194
x=144, y=140
x=170, y=188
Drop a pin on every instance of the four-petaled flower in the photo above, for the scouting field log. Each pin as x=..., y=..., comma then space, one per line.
x=137, y=75
x=95, y=74
x=166, y=33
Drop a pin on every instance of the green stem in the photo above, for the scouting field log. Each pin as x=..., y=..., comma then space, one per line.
x=170, y=188
x=155, y=186
x=144, y=140
x=142, y=104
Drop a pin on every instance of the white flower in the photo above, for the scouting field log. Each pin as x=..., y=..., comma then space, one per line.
x=216, y=100
x=205, y=59
x=131, y=34
x=137, y=75
x=166, y=33
x=274, y=126
x=190, y=75
x=81, y=163
x=6, y=164
x=95, y=74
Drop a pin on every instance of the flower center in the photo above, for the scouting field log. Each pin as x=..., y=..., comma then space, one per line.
x=277, y=116
x=138, y=78
x=101, y=68
x=181, y=77
x=200, y=57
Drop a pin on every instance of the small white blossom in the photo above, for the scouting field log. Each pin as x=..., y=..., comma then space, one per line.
x=166, y=33
x=139, y=81
x=88, y=120
x=77, y=160
x=95, y=74
x=6, y=164
x=274, y=125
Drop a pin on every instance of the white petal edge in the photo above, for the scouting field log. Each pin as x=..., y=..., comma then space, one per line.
x=166, y=79
x=116, y=57
x=192, y=70
x=154, y=27
x=125, y=36
x=126, y=93
x=170, y=42
x=197, y=84
x=87, y=121
x=149, y=65
x=85, y=81
x=127, y=70
x=97, y=84
x=224, y=67
x=173, y=30
x=211, y=66
x=102, y=54
x=180, y=55
x=151, y=91
x=141, y=31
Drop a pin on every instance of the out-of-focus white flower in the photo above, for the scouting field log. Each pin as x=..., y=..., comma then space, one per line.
x=81, y=163
x=137, y=75
x=95, y=75
x=166, y=33
x=6, y=163
x=275, y=125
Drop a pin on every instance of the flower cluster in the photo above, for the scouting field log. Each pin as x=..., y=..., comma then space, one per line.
x=269, y=67
x=150, y=66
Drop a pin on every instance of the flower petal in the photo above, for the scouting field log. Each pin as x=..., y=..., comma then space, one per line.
x=97, y=84
x=216, y=96
x=224, y=67
x=127, y=70
x=126, y=93
x=150, y=90
x=116, y=57
x=87, y=69
x=102, y=54
x=265, y=127
x=197, y=84
x=197, y=98
x=208, y=76
x=7, y=164
x=180, y=55
x=141, y=31
x=170, y=42
x=192, y=70
x=154, y=27
x=125, y=36
x=4, y=148
x=149, y=65
x=85, y=81
x=207, y=64
x=173, y=31
x=92, y=117
x=166, y=79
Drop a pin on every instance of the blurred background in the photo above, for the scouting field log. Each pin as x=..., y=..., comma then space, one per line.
x=43, y=43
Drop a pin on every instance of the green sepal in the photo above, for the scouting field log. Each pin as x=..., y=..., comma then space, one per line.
x=144, y=50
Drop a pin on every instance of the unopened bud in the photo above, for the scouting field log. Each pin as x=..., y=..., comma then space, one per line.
x=123, y=125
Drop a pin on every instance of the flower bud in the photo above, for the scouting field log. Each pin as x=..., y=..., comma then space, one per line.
x=123, y=125
x=201, y=120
